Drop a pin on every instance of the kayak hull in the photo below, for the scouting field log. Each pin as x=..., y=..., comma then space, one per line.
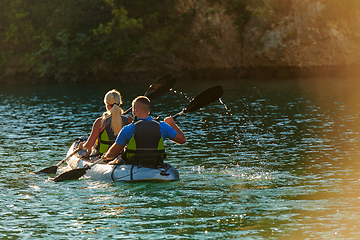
x=123, y=172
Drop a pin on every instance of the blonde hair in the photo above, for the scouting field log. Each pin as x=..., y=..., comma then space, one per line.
x=113, y=98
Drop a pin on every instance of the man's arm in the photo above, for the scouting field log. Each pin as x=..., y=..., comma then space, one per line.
x=113, y=152
x=180, y=137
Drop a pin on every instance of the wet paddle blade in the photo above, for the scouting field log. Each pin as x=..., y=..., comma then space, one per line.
x=48, y=170
x=71, y=175
x=205, y=98
x=160, y=86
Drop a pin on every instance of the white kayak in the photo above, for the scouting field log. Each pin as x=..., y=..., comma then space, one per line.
x=123, y=172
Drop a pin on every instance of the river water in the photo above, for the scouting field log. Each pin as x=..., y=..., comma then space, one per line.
x=276, y=159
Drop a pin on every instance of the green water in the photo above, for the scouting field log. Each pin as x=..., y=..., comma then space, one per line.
x=278, y=159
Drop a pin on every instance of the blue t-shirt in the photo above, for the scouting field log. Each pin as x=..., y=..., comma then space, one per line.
x=128, y=131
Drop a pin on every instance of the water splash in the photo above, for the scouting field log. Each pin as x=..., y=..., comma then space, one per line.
x=179, y=93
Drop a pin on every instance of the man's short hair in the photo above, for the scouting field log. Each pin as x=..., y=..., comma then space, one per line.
x=143, y=101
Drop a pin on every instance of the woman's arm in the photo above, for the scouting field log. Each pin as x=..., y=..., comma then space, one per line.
x=95, y=133
x=130, y=119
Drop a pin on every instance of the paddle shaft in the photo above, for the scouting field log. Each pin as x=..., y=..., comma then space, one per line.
x=127, y=111
x=53, y=169
x=94, y=163
x=72, y=154
x=178, y=114
x=75, y=173
x=159, y=87
x=202, y=99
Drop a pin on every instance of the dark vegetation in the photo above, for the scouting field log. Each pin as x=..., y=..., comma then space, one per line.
x=97, y=40
x=83, y=40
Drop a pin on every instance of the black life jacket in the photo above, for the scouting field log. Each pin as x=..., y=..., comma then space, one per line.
x=107, y=137
x=146, y=143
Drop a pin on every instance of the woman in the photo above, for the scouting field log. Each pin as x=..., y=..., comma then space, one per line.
x=106, y=128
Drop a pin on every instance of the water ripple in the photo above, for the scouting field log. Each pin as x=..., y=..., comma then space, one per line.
x=272, y=160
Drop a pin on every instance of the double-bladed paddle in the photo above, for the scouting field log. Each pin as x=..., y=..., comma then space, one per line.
x=204, y=98
x=159, y=87
x=156, y=89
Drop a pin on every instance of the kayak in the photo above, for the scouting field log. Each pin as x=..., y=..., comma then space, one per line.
x=122, y=172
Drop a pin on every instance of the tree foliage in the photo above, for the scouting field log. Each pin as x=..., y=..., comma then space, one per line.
x=66, y=40
x=83, y=40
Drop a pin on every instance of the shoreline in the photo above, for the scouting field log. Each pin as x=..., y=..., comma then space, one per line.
x=264, y=72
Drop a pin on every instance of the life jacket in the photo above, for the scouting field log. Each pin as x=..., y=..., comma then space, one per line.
x=146, y=143
x=107, y=137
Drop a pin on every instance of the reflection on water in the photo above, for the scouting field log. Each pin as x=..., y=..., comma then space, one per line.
x=276, y=159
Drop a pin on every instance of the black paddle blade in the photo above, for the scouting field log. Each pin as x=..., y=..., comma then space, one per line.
x=204, y=98
x=160, y=86
x=48, y=170
x=71, y=175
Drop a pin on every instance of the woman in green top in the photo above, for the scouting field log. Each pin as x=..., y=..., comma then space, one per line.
x=106, y=128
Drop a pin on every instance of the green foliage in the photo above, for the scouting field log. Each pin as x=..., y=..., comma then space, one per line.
x=16, y=32
x=120, y=20
x=64, y=40
x=69, y=41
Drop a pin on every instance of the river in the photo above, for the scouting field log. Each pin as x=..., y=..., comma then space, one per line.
x=274, y=159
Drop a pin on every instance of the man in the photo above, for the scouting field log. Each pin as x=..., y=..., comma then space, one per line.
x=144, y=136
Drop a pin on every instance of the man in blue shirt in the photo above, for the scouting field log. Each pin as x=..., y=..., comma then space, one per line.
x=145, y=134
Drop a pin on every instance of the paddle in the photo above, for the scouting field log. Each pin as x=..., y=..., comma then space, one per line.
x=53, y=169
x=202, y=99
x=75, y=173
x=159, y=87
